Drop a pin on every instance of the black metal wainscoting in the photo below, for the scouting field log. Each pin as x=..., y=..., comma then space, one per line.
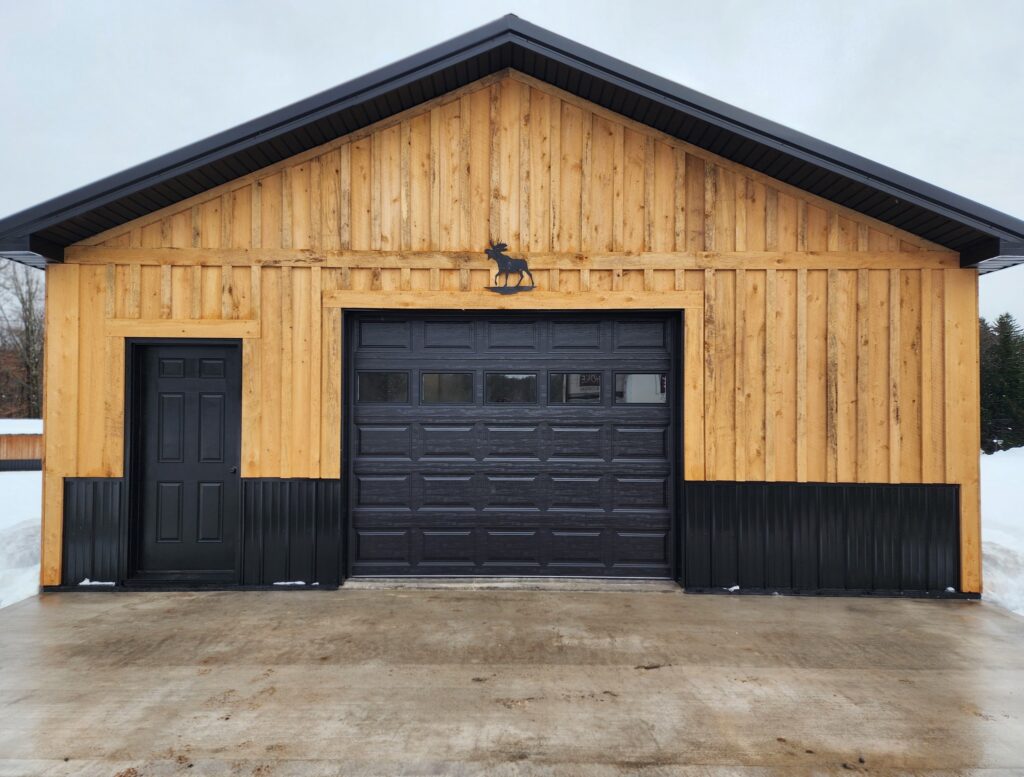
x=94, y=548
x=292, y=532
x=818, y=538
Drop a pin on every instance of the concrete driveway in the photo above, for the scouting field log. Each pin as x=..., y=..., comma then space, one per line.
x=506, y=682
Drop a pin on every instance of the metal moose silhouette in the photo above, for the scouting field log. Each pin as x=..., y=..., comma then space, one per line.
x=508, y=266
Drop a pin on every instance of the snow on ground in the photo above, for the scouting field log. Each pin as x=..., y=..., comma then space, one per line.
x=20, y=499
x=21, y=426
x=1002, y=528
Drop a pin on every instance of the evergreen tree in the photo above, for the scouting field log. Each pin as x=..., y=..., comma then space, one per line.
x=1002, y=384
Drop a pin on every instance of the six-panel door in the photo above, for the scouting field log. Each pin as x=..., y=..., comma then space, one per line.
x=186, y=495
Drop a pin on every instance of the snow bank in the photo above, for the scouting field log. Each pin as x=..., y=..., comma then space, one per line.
x=1002, y=528
x=21, y=426
x=20, y=495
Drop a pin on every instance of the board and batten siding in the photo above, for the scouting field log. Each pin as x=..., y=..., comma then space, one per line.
x=819, y=345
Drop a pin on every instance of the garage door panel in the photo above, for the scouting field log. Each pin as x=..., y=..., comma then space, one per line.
x=640, y=442
x=640, y=334
x=374, y=546
x=513, y=335
x=563, y=478
x=512, y=442
x=636, y=493
x=575, y=335
x=502, y=546
x=577, y=547
x=390, y=491
x=569, y=492
x=448, y=545
x=447, y=441
x=517, y=491
x=448, y=335
x=644, y=548
x=577, y=442
x=390, y=441
x=447, y=492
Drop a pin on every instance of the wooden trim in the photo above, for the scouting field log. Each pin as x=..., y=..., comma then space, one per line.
x=687, y=260
x=533, y=300
x=963, y=419
x=60, y=403
x=133, y=327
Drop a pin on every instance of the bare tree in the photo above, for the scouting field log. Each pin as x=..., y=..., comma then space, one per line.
x=21, y=339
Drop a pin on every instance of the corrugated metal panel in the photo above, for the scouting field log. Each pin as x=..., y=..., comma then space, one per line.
x=821, y=538
x=292, y=531
x=21, y=465
x=93, y=524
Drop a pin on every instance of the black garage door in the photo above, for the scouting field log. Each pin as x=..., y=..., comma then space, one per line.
x=512, y=444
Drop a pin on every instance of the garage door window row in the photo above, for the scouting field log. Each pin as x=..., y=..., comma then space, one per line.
x=511, y=388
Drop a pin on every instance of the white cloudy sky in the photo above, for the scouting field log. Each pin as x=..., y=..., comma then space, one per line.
x=931, y=87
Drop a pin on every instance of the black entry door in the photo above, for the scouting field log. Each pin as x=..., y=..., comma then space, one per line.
x=512, y=444
x=186, y=488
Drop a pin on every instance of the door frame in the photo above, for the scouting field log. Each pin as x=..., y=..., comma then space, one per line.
x=131, y=525
x=676, y=315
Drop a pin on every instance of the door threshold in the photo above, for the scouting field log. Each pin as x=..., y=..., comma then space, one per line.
x=570, y=584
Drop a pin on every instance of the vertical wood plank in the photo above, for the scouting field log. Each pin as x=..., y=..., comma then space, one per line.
x=817, y=375
x=754, y=372
x=693, y=395
x=963, y=433
x=801, y=375
x=895, y=344
x=540, y=170
x=252, y=382
x=710, y=375
x=742, y=430
x=863, y=367
x=634, y=217
x=286, y=375
x=832, y=384
x=331, y=398
x=166, y=289
x=929, y=471
x=772, y=368
x=269, y=464
x=60, y=410
x=313, y=347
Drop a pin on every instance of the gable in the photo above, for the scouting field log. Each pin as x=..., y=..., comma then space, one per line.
x=514, y=159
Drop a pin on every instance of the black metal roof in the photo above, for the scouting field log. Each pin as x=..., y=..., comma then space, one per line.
x=984, y=237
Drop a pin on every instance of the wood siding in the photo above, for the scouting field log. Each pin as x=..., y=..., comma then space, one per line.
x=819, y=345
x=21, y=447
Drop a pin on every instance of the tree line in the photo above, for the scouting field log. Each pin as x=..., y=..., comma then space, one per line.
x=21, y=341
x=1002, y=384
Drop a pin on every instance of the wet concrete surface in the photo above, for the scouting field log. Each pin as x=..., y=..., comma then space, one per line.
x=507, y=682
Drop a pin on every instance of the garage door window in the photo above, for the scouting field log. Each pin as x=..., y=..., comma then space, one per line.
x=641, y=388
x=574, y=387
x=511, y=388
x=382, y=386
x=447, y=388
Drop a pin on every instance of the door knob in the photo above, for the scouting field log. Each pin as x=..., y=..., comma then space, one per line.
x=234, y=470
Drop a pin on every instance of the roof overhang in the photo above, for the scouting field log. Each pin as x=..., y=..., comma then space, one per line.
x=984, y=237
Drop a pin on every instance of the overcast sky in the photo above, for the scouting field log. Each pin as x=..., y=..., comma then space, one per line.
x=930, y=87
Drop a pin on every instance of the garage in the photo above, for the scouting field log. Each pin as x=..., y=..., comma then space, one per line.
x=512, y=444
x=461, y=306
